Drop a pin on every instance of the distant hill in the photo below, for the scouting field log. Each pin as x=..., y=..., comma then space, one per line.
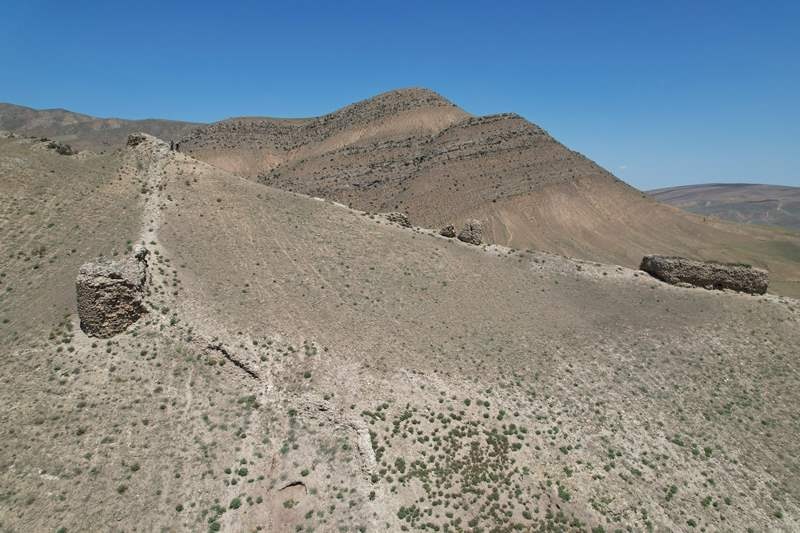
x=84, y=132
x=775, y=205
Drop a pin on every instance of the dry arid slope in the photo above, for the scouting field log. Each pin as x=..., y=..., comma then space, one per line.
x=749, y=203
x=307, y=367
x=411, y=150
x=363, y=142
x=56, y=211
x=84, y=132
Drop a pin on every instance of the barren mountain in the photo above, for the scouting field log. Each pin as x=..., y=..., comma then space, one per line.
x=364, y=142
x=411, y=150
x=84, y=132
x=747, y=203
x=303, y=366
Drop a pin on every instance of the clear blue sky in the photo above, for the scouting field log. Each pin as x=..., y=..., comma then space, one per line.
x=660, y=93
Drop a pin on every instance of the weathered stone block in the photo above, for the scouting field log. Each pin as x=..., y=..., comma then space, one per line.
x=706, y=274
x=472, y=232
x=111, y=294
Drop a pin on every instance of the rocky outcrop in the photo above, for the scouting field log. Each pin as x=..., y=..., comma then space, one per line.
x=448, y=231
x=135, y=139
x=60, y=148
x=709, y=275
x=398, y=218
x=472, y=232
x=111, y=294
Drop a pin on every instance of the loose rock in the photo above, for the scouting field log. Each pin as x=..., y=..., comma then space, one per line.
x=61, y=148
x=448, y=231
x=710, y=275
x=398, y=218
x=111, y=294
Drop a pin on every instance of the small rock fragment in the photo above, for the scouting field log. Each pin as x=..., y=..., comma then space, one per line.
x=448, y=231
x=398, y=218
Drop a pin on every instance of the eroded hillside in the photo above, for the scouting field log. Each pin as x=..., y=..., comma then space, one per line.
x=392, y=123
x=304, y=366
x=413, y=151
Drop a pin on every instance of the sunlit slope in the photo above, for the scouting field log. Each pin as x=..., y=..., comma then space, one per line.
x=412, y=150
x=303, y=365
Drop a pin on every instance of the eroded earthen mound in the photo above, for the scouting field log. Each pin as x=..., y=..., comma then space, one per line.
x=111, y=294
x=472, y=232
x=709, y=275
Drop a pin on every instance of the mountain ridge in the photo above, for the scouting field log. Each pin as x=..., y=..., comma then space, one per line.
x=81, y=131
x=412, y=150
x=528, y=189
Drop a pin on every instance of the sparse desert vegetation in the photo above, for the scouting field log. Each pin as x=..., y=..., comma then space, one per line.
x=304, y=366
